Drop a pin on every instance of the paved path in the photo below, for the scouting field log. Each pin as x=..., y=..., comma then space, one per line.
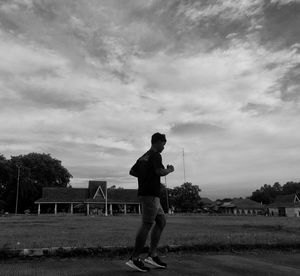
x=246, y=263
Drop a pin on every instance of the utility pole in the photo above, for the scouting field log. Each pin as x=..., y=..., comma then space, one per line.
x=18, y=183
x=184, y=179
x=106, y=200
x=167, y=194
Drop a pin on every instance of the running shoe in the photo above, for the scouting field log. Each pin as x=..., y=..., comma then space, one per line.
x=155, y=261
x=137, y=265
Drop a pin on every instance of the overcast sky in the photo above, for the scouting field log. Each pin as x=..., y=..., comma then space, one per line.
x=90, y=81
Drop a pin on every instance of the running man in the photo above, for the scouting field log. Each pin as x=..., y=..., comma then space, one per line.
x=148, y=169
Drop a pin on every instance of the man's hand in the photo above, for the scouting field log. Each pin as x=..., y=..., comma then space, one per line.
x=166, y=171
x=170, y=168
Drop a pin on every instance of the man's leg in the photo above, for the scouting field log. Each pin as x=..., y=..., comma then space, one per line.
x=140, y=239
x=160, y=223
x=135, y=262
x=149, y=213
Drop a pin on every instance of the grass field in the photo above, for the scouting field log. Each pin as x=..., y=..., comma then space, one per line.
x=76, y=231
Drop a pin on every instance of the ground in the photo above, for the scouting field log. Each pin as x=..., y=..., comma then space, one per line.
x=19, y=232
x=215, y=232
x=275, y=263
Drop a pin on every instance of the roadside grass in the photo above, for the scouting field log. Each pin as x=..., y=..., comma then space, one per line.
x=19, y=232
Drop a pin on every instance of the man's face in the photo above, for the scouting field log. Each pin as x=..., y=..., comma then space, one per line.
x=160, y=146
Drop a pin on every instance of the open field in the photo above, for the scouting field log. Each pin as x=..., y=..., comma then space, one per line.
x=80, y=231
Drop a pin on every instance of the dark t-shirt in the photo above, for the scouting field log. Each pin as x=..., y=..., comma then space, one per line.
x=149, y=183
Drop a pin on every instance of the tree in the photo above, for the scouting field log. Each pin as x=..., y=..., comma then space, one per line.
x=291, y=188
x=277, y=188
x=5, y=173
x=36, y=171
x=267, y=193
x=185, y=197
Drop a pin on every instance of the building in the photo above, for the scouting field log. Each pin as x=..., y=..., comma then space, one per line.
x=285, y=205
x=239, y=206
x=205, y=203
x=96, y=199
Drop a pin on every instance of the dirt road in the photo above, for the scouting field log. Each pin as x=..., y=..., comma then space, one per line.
x=243, y=263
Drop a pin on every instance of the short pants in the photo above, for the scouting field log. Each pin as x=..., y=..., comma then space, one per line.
x=151, y=208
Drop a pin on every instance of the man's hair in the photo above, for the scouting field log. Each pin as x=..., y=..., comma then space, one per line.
x=156, y=137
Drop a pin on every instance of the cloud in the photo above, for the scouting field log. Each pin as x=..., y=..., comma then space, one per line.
x=284, y=2
x=280, y=24
x=257, y=109
x=91, y=81
x=20, y=58
x=194, y=129
x=216, y=85
x=233, y=9
x=290, y=85
x=35, y=76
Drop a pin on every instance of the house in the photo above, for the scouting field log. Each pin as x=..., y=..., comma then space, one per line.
x=94, y=200
x=205, y=203
x=239, y=206
x=285, y=205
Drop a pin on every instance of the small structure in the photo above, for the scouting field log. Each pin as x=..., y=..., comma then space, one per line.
x=239, y=206
x=120, y=200
x=205, y=203
x=285, y=205
x=96, y=199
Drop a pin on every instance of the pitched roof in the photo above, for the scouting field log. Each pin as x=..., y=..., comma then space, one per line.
x=242, y=204
x=93, y=187
x=117, y=196
x=285, y=201
x=285, y=198
x=247, y=204
x=205, y=200
x=227, y=205
x=51, y=194
x=69, y=195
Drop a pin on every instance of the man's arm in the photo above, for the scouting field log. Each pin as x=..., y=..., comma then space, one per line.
x=163, y=172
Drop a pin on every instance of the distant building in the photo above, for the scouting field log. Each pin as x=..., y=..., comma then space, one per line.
x=91, y=200
x=205, y=203
x=239, y=206
x=285, y=205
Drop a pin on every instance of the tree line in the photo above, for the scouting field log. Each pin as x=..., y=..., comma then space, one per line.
x=23, y=177
x=26, y=175
x=267, y=193
x=184, y=198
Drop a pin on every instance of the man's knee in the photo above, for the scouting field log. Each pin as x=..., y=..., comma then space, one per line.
x=147, y=225
x=161, y=221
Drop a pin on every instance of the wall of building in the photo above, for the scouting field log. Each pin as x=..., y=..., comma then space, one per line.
x=235, y=211
x=292, y=212
x=273, y=211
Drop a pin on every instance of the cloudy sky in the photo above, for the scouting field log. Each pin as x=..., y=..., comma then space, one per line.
x=90, y=81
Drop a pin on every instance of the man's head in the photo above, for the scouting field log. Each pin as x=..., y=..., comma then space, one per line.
x=158, y=141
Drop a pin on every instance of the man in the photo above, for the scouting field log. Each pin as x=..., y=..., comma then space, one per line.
x=148, y=169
